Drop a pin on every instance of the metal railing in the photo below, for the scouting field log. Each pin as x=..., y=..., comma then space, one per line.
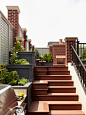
x=81, y=50
x=80, y=68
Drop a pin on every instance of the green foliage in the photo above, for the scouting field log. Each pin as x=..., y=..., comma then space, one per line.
x=13, y=57
x=23, y=81
x=37, y=53
x=49, y=56
x=13, y=82
x=18, y=47
x=6, y=77
x=45, y=58
x=83, y=59
x=83, y=54
x=11, y=78
x=4, y=74
x=21, y=61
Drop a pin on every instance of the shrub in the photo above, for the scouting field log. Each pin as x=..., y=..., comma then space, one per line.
x=49, y=56
x=23, y=81
x=13, y=82
x=45, y=58
x=18, y=47
x=21, y=61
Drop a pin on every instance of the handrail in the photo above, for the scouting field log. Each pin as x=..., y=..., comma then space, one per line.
x=78, y=57
x=80, y=67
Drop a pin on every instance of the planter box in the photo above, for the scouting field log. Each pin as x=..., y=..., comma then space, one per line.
x=44, y=64
x=26, y=71
x=29, y=56
x=28, y=88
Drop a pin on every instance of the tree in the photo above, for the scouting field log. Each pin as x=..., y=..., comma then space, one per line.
x=45, y=58
x=49, y=56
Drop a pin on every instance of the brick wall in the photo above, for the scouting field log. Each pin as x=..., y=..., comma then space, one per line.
x=13, y=17
x=33, y=48
x=51, y=49
x=69, y=41
x=58, y=49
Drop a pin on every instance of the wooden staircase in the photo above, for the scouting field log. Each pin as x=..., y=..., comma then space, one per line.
x=53, y=93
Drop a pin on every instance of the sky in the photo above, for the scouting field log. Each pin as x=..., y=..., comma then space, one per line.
x=50, y=20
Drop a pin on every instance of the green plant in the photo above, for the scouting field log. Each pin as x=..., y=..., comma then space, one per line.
x=22, y=81
x=13, y=57
x=13, y=76
x=37, y=53
x=18, y=47
x=13, y=82
x=21, y=61
x=49, y=57
x=45, y=58
x=4, y=75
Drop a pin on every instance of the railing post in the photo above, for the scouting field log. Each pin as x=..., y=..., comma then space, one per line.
x=0, y=37
x=69, y=41
x=77, y=47
x=71, y=55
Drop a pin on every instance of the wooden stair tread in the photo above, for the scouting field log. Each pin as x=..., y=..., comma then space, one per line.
x=59, y=80
x=61, y=87
x=62, y=102
x=52, y=70
x=40, y=82
x=46, y=81
x=62, y=94
x=59, y=94
x=66, y=112
x=54, y=75
x=40, y=89
x=39, y=106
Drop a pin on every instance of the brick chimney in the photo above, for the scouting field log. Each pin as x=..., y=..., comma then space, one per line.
x=13, y=17
x=25, y=31
x=60, y=41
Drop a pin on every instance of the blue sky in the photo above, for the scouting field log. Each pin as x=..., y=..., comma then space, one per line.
x=50, y=20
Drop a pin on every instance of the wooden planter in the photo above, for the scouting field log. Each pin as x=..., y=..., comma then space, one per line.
x=29, y=56
x=26, y=71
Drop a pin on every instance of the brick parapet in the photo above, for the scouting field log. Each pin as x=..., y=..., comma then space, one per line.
x=69, y=41
x=58, y=49
x=51, y=49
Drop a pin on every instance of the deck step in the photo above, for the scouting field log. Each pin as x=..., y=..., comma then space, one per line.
x=54, y=82
x=39, y=86
x=61, y=89
x=58, y=72
x=39, y=91
x=38, y=108
x=53, y=77
x=64, y=105
x=66, y=112
x=60, y=82
x=41, y=72
x=56, y=97
x=37, y=68
x=57, y=68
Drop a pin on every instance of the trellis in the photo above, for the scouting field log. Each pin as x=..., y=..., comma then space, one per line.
x=6, y=38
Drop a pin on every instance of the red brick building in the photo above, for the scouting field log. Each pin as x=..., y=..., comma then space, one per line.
x=61, y=52
x=19, y=33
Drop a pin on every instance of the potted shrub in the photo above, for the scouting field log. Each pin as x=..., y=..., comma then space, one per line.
x=47, y=60
x=22, y=54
